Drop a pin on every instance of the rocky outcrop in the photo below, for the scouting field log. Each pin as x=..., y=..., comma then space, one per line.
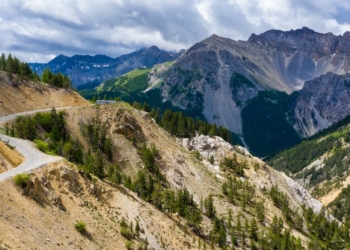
x=128, y=126
x=302, y=195
x=215, y=146
x=40, y=189
x=207, y=145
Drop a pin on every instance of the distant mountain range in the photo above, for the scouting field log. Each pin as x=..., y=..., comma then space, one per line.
x=85, y=69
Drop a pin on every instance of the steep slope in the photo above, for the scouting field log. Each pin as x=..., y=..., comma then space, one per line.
x=320, y=164
x=92, y=70
x=140, y=85
x=60, y=195
x=18, y=95
x=322, y=102
x=232, y=192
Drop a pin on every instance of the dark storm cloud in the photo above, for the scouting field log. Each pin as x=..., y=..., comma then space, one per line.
x=38, y=30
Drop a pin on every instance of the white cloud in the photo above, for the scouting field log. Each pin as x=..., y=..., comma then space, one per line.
x=39, y=29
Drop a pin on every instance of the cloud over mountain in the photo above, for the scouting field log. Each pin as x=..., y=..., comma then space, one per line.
x=38, y=30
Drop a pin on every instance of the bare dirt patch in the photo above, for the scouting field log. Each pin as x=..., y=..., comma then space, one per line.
x=18, y=96
x=10, y=156
x=331, y=196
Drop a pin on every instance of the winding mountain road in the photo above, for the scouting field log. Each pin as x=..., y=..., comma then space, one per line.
x=34, y=158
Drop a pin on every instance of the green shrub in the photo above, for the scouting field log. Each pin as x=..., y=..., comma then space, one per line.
x=43, y=146
x=21, y=179
x=80, y=226
x=126, y=233
x=129, y=244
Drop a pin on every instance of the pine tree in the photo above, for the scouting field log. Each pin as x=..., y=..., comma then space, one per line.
x=46, y=76
x=98, y=166
x=209, y=206
x=213, y=130
x=260, y=211
x=3, y=61
x=137, y=228
x=253, y=230
x=9, y=63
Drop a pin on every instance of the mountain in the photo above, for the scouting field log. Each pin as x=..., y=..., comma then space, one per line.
x=268, y=87
x=128, y=183
x=274, y=60
x=158, y=191
x=84, y=69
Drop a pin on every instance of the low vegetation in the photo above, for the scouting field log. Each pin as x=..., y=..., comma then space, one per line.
x=21, y=179
x=238, y=81
x=48, y=131
x=80, y=226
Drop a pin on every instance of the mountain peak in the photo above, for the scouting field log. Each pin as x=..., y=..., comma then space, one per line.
x=152, y=49
x=59, y=59
x=306, y=28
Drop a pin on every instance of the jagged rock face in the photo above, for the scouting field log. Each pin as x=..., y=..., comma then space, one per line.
x=274, y=60
x=322, y=102
x=302, y=195
x=84, y=69
x=200, y=80
x=304, y=40
x=128, y=126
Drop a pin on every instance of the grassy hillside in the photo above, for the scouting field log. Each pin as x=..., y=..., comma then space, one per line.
x=129, y=84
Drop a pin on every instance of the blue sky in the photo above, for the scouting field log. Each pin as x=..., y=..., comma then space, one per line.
x=39, y=30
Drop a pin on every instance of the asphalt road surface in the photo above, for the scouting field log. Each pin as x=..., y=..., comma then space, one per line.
x=34, y=158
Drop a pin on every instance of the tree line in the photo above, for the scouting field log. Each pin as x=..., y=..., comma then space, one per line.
x=13, y=65
x=179, y=125
x=58, y=80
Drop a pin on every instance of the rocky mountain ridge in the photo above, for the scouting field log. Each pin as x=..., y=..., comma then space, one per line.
x=62, y=195
x=219, y=76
